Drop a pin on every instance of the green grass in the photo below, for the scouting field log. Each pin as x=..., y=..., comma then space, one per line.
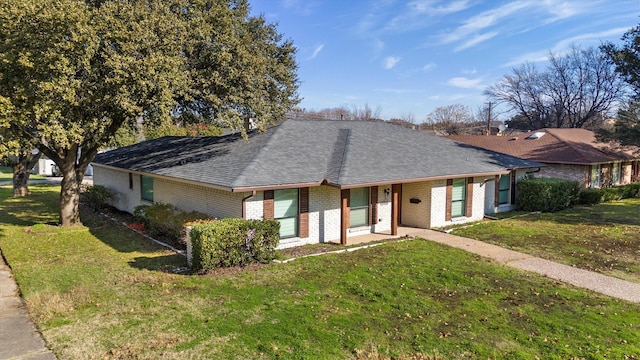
x=603, y=238
x=101, y=291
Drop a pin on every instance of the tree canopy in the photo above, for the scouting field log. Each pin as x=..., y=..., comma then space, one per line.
x=573, y=91
x=73, y=72
x=626, y=130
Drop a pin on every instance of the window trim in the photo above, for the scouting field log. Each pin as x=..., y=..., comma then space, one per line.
x=502, y=191
x=463, y=200
x=616, y=169
x=296, y=217
x=366, y=208
x=595, y=181
x=142, y=187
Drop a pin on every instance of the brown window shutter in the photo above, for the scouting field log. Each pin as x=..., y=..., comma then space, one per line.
x=373, y=205
x=496, y=193
x=512, y=189
x=267, y=204
x=469, y=199
x=344, y=215
x=304, y=212
x=447, y=211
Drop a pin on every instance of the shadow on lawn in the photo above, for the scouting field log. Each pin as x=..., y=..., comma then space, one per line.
x=29, y=210
x=124, y=240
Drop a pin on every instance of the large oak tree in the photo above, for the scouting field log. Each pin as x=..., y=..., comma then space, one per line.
x=73, y=72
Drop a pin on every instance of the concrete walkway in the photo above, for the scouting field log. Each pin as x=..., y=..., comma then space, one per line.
x=606, y=285
x=19, y=338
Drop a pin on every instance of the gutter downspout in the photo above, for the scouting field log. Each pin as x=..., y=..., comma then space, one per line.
x=244, y=203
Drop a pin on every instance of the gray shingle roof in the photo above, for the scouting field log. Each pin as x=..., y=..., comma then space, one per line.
x=342, y=153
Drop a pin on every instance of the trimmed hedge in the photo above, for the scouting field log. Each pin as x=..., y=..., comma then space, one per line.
x=546, y=194
x=165, y=220
x=233, y=242
x=596, y=196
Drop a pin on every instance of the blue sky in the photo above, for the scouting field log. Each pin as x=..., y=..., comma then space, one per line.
x=410, y=57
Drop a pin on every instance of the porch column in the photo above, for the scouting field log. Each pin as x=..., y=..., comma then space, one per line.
x=395, y=207
x=344, y=215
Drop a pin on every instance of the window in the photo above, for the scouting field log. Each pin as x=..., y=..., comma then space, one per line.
x=615, y=174
x=504, y=189
x=458, y=197
x=285, y=211
x=358, y=207
x=146, y=187
x=595, y=176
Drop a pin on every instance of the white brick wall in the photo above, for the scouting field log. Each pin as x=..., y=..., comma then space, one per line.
x=384, y=209
x=126, y=199
x=255, y=207
x=189, y=197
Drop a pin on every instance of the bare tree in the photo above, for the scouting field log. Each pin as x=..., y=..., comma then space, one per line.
x=449, y=120
x=338, y=113
x=574, y=90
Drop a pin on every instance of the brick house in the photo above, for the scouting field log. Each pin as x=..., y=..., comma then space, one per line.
x=323, y=180
x=571, y=154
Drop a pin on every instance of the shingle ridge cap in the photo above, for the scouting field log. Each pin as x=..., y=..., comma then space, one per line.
x=270, y=132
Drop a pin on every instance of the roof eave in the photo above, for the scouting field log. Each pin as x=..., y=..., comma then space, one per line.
x=164, y=177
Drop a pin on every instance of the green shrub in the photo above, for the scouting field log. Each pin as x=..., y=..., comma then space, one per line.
x=547, y=195
x=631, y=191
x=596, y=196
x=233, y=242
x=590, y=197
x=165, y=220
x=98, y=196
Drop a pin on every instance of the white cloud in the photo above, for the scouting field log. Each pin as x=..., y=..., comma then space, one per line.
x=484, y=20
x=316, y=51
x=417, y=14
x=476, y=40
x=390, y=62
x=466, y=83
x=428, y=67
x=562, y=46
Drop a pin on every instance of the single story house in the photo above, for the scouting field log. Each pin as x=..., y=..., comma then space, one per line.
x=323, y=180
x=571, y=154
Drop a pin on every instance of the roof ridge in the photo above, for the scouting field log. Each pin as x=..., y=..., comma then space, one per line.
x=269, y=132
x=338, y=155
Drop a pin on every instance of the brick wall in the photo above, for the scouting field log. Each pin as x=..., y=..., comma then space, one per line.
x=579, y=173
x=126, y=199
x=439, y=200
x=190, y=197
x=417, y=215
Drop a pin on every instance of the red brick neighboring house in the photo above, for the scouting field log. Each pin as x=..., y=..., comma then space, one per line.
x=570, y=154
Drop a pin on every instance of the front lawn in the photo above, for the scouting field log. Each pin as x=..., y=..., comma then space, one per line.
x=101, y=291
x=603, y=238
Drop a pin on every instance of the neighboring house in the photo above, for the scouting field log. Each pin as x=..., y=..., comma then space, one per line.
x=570, y=154
x=323, y=180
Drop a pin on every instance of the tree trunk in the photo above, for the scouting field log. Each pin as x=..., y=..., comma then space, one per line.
x=22, y=165
x=70, y=196
x=20, y=180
